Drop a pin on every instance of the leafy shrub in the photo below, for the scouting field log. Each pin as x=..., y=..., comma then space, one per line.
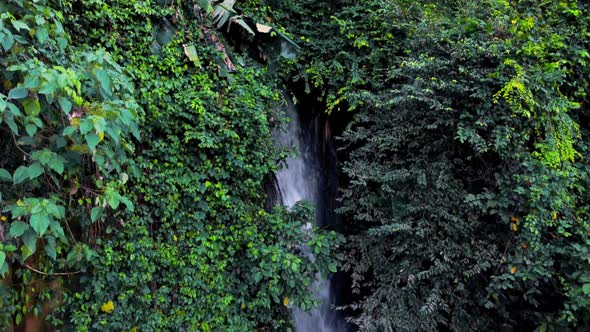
x=66, y=116
x=466, y=158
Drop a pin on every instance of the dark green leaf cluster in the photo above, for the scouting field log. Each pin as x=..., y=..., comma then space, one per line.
x=466, y=159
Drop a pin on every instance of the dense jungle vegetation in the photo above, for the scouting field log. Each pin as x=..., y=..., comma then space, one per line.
x=136, y=152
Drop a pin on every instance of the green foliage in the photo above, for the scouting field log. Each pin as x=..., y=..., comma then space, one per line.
x=164, y=234
x=199, y=252
x=66, y=114
x=467, y=157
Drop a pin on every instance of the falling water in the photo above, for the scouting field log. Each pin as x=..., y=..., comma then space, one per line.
x=300, y=180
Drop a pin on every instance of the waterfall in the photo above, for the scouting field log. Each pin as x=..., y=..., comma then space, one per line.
x=300, y=180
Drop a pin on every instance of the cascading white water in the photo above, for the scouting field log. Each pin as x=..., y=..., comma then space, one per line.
x=300, y=181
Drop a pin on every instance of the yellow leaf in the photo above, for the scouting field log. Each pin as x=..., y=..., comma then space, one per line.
x=243, y=306
x=514, y=219
x=100, y=137
x=107, y=307
x=514, y=228
x=3, y=218
x=175, y=238
x=286, y=301
x=513, y=270
x=553, y=215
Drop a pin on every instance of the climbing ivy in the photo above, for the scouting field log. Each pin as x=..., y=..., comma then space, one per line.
x=199, y=252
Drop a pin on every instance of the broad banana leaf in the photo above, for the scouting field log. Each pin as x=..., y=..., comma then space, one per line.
x=240, y=21
x=205, y=5
x=289, y=48
x=222, y=13
x=191, y=53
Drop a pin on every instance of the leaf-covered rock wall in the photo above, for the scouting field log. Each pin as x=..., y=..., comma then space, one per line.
x=133, y=184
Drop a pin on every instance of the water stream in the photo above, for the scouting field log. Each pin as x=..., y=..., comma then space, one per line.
x=301, y=180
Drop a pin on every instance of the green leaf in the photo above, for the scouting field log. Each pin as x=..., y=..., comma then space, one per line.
x=65, y=104
x=40, y=20
x=206, y=6
x=9, y=118
x=100, y=124
x=50, y=247
x=47, y=88
x=2, y=257
x=86, y=126
x=135, y=131
x=32, y=106
x=586, y=289
x=49, y=159
x=69, y=131
x=7, y=40
x=31, y=82
x=30, y=240
x=127, y=203
x=74, y=256
x=31, y=129
x=56, y=164
x=105, y=80
x=18, y=25
x=333, y=267
x=21, y=174
x=38, y=122
x=17, y=228
x=4, y=269
x=43, y=156
x=95, y=213
x=35, y=170
x=62, y=42
x=40, y=223
x=42, y=35
x=56, y=211
x=191, y=53
x=58, y=231
x=92, y=141
x=113, y=199
x=18, y=93
x=89, y=253
x=5, y=175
